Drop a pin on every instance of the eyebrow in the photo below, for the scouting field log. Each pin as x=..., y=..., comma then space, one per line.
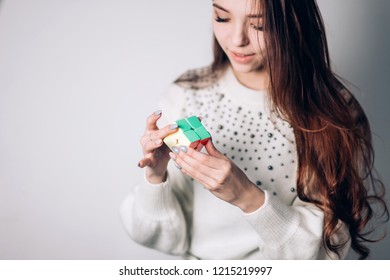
x=254, y=16
x=221, y=8
x=227, y=11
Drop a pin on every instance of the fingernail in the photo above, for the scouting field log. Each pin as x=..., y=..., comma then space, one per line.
x=158, y=112
x=175, y=150
x=173, y=126
x=183, y=148
x=139, y=164
x=158, y=142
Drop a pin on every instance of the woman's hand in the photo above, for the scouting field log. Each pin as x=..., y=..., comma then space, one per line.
x=220, y=176
x=156, y=153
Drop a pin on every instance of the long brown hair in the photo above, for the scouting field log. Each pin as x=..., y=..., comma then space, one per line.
x=333, y=137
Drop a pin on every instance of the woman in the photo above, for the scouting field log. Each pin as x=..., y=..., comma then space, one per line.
x=288, y=171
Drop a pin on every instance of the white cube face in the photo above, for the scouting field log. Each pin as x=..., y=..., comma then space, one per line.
x=177, y=139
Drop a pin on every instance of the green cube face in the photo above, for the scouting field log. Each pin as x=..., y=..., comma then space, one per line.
x=191, y=136
x=183, y=125
x=194, y=122
x=191, y=133
x=203, y=134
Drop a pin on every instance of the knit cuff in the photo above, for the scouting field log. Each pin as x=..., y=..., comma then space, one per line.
x=275, y=222
x=154, y=199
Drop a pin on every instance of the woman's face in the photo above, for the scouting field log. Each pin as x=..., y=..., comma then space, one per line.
x=239, y=31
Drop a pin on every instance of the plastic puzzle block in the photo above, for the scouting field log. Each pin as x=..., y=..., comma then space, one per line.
x=191, y=133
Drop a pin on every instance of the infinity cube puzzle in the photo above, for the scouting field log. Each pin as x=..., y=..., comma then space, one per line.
x=191, y=133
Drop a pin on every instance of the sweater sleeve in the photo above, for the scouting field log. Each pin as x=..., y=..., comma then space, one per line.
x=293, y=232
x=158, y=215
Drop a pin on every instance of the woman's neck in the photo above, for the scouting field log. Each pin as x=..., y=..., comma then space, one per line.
x=258, y=80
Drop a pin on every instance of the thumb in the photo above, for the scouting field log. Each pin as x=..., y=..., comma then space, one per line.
x=212, y=150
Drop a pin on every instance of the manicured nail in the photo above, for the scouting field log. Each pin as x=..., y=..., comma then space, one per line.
x=173, y=126
x=158, y=112
x=175, y=150
x=183, y=148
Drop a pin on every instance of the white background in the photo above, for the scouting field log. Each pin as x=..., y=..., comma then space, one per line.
x=79, y=77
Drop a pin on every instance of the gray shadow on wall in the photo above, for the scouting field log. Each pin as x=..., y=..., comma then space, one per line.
x=377, y=100
x=372, y=71
x=359, y=46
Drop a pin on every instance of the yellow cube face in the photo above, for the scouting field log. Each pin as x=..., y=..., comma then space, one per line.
x=178, y=139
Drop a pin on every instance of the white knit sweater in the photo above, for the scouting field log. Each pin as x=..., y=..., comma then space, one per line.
x=180, y=217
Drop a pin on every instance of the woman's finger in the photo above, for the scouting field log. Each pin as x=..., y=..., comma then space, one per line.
x=186, y=169
x=144, y=162
x=212, y=150
x=150, y=145
x=151, y=139
x=200, y=158
x=151, y=121
x=191, y=167
x=163, y=132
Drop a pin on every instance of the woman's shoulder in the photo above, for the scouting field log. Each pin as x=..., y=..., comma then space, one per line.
x=198, y=78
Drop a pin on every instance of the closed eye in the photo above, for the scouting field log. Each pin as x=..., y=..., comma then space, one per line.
x=257, y=27
x=219, y=19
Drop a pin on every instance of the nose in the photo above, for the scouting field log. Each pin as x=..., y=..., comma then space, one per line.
x=240, y=37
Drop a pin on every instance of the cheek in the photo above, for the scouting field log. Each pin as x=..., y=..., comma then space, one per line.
x=257, y=42
x=221, y=33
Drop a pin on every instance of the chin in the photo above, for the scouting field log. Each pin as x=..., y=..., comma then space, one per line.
x=244, y=69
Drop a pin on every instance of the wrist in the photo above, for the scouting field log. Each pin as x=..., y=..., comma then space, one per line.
x=155, y=178
x=251, y=200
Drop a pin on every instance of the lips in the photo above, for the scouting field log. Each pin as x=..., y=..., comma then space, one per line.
x=242, y=57
x=241, y=54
